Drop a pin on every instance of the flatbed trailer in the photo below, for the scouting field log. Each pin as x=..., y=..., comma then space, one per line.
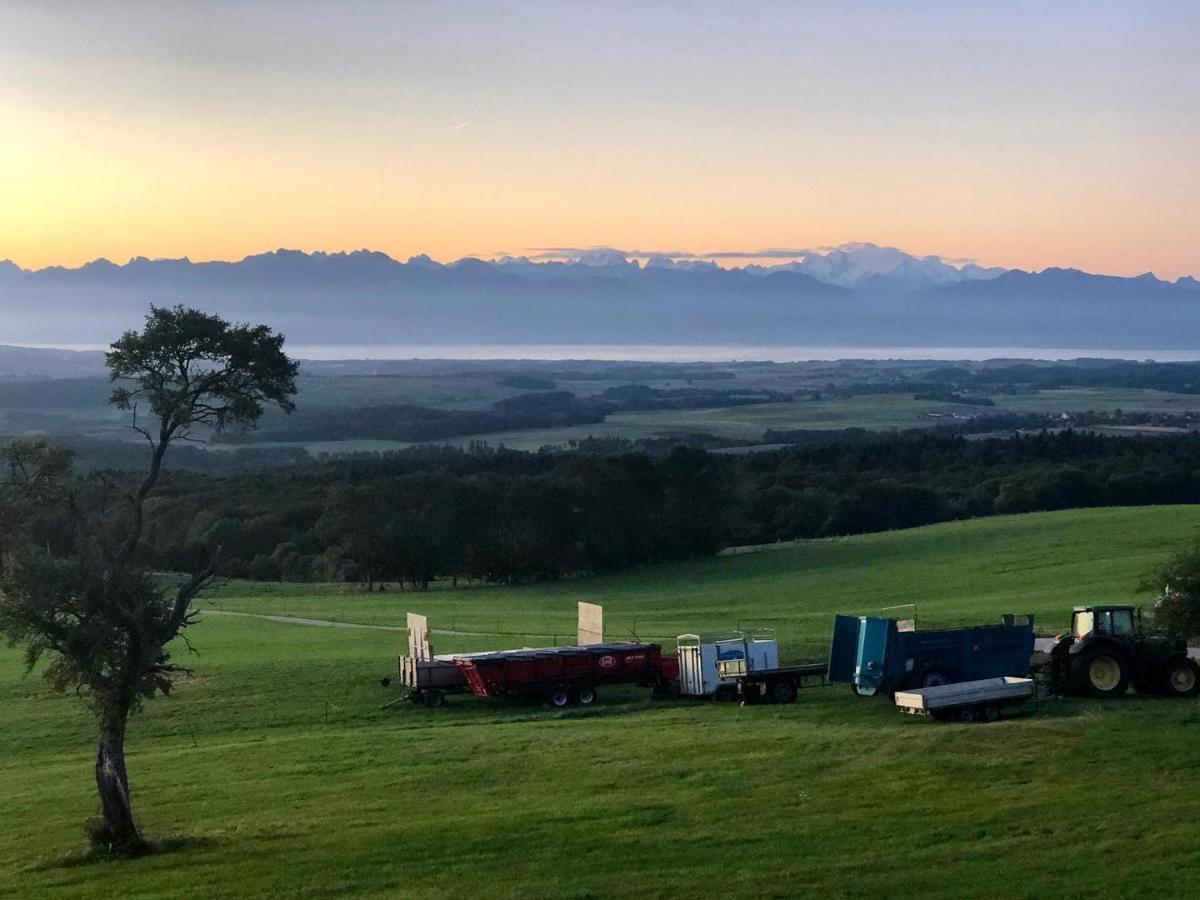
x=781, y=683
x=967, y=701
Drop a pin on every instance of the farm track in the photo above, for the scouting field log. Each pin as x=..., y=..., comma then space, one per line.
x=325, y=623
x=1041, y=645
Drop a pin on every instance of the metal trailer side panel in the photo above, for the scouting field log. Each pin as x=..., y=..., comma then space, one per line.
x=698, y=675
x=875, y=664
x=527, y=671
x=967, y=693
x=964, y=654
x=843, y=649
x=762, y=655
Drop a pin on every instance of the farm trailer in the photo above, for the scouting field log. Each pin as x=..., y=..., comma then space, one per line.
x=876, y=655
x=560, y=675
x=741, y=664
x=967, y=701
x=565, y=675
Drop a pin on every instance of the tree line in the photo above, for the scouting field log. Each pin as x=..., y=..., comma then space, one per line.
x=505, y=517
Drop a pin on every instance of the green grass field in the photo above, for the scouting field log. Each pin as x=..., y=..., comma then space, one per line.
x=278, y=760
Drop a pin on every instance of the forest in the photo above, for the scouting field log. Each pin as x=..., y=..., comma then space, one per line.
x=501, y=516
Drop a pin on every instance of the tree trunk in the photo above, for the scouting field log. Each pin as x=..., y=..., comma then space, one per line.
x=117, y=829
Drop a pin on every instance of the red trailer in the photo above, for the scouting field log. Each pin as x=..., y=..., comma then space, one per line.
x=562, y=675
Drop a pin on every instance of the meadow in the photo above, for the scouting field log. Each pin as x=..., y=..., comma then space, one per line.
x=278, y=765
x=872, y=412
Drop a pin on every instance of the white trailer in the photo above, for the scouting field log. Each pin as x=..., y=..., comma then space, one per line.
x=967, y=701
x=711, y=666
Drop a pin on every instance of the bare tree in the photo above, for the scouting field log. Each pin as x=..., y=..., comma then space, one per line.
x=102, y=619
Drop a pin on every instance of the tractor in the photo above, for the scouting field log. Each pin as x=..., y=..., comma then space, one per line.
x=1108, y=648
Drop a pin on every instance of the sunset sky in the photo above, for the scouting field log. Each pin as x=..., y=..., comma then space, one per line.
x=1017, y=134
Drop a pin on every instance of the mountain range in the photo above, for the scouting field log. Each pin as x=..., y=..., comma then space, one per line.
x=852, y=295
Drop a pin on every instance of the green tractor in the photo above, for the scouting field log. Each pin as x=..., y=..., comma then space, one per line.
x=1108, y=648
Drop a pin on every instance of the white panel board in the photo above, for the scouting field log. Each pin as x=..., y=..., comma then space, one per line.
x=418, y=637
x=591, y=624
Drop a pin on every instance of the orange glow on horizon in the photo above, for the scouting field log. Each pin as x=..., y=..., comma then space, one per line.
x=226, y=132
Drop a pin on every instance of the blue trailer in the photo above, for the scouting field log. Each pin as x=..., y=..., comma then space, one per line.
x=876, y=655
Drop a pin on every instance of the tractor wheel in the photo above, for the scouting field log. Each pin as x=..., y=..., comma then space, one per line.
x=559, y=698
x=1102, y=673
x=1181, y=677
x=585, y=696
x=783, y=692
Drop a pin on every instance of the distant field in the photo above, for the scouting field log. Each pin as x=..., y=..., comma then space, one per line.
x=875, y=412
x=79, y=406
x=278, y=756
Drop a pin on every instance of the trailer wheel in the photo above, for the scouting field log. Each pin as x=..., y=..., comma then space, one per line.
x=585, y=696
x=933, y=678
x=991, y=713
x=559, y=698
x=433, y=699
x=966, y=715
x=1181, y=677
x=783, y=692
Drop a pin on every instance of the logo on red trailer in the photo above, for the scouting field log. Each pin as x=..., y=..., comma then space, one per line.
x=606, y=662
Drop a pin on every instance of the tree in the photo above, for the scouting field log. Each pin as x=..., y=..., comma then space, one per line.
x=1178, y=608
x=99, y=615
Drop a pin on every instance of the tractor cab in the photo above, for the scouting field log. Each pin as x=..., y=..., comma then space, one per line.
x=1108, y=648
x=1112, y=621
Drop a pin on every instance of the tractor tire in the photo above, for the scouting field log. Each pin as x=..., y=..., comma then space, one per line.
x=1101, y=672
x=1181, y=677
x=783, y=692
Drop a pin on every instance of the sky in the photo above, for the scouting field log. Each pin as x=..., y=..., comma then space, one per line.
x=1016, y=134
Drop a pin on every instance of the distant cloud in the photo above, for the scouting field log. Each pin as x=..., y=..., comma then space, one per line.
x=805, y=255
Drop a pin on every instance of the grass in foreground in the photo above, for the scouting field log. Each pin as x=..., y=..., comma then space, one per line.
x=278, y=762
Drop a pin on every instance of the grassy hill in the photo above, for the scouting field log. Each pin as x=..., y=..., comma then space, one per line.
x=277, y=760
x=955, y=573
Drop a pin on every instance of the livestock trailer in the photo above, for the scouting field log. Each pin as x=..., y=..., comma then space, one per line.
x=967, y=701
x=562, y=675
x=745, y=665
x=875, y=655
x=710, y=666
